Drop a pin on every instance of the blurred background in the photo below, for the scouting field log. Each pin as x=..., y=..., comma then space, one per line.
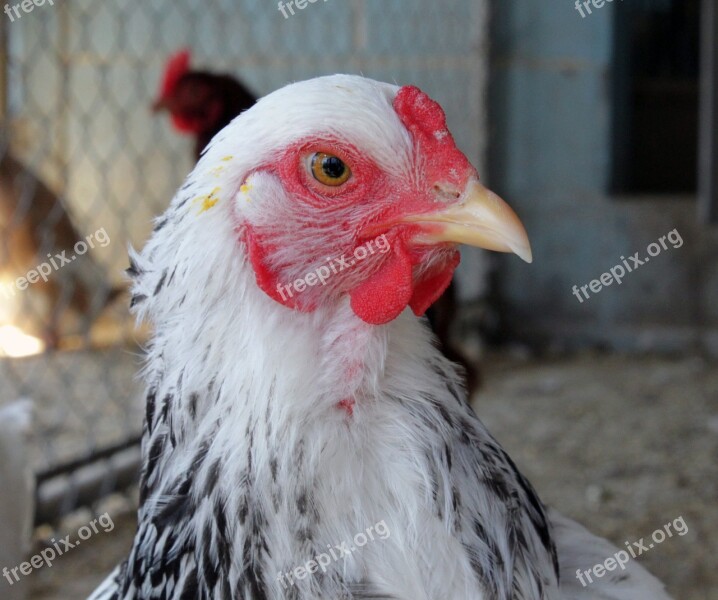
x=596, y=121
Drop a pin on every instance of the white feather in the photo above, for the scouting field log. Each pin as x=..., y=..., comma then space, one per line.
x=580, y=550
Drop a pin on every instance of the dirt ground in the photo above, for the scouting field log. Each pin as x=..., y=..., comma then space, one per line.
x=622, y=444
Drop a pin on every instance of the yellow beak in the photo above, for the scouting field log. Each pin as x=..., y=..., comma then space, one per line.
x=479, y=218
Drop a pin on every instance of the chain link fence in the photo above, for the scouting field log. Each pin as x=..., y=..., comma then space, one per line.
x=85, y=165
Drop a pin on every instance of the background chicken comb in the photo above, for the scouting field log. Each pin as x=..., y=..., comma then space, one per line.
x=177, y=66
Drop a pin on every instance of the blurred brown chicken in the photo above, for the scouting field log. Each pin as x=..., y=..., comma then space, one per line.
x=33, y=224
x=200, y=103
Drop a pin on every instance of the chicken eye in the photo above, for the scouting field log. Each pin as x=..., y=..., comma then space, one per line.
x=330, y=170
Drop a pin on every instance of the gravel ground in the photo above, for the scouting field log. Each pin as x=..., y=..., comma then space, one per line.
x=622, y=444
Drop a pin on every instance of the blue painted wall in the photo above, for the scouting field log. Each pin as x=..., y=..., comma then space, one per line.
x=549, y=156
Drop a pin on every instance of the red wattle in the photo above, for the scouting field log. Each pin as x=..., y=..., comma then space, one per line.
x=429, y=288
x=383, y=296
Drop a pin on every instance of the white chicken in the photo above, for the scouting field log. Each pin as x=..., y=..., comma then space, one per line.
x=292, y=400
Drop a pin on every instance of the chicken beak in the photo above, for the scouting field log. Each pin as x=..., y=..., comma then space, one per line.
x=479, y=218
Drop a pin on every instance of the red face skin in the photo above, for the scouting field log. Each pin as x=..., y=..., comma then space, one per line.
x=371, y=204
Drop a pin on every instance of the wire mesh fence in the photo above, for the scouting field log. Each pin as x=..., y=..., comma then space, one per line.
x=85, y=165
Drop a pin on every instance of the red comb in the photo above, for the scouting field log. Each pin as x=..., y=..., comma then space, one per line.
x=177, y=66
x=426, y=121
x=422, y=116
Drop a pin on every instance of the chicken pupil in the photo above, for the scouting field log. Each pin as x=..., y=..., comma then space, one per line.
x=333, y=167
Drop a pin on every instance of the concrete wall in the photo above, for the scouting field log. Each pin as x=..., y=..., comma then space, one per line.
x=549, y=157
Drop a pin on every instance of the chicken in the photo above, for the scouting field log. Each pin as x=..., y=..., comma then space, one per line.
x=282, y=426
x=17, y=501
x=203, y=103
x=200, y=103
x=33, y=223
